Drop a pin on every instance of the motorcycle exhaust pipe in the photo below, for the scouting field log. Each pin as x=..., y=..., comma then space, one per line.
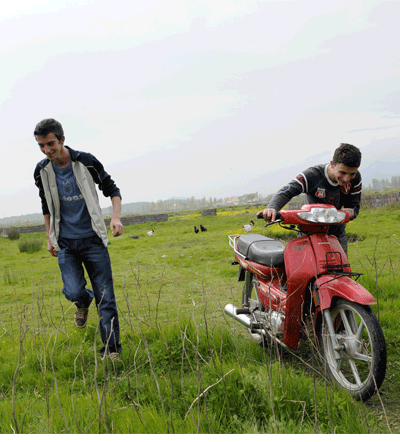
x=231, y=310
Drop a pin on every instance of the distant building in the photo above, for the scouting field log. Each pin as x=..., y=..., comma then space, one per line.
x=233, y=201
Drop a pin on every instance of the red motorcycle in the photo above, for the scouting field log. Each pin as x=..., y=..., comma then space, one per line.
x=306, y=286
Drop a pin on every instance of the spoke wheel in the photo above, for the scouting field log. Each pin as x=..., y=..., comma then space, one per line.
x=359, y=364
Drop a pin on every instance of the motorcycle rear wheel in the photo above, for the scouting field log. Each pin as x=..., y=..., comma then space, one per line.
x=361, y=367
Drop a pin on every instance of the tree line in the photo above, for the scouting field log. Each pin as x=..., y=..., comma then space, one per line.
x=192, y=203
x=385, y=183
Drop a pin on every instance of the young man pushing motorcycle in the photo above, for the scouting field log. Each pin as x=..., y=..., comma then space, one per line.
x=337, y=183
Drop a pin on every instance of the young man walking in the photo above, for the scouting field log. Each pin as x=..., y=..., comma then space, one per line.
x=75, y=227
x=337, y=183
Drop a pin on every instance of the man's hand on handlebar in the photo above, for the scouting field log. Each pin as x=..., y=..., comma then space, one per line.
x=350, y=212
x=268, y=214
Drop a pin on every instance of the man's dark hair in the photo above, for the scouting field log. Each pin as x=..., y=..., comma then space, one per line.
x=348, y=155
x=47, y=126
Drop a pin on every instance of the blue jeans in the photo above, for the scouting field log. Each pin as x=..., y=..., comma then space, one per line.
x=93, y=254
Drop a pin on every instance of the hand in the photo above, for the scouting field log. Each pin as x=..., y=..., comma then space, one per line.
x=350, y=212
x=116, y=227
x=268, y=214
x=51, y=249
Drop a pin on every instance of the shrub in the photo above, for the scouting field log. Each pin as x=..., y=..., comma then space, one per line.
x=30, y=246
x=13, y=234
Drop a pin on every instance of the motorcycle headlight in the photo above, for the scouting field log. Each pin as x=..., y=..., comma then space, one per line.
x=322, y=216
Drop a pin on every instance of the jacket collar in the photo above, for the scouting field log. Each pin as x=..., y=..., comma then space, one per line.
x=74, y=154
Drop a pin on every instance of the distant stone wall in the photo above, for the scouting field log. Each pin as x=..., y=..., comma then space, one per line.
x=29, y=229
x=141, y=219
x=380, y=199
x=126, y=221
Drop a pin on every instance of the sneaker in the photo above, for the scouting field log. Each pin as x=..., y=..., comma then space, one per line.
x=111, y=351
x=81, y=317
x=114, y=356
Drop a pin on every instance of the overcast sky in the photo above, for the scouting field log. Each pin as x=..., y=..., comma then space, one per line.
x=181, y=98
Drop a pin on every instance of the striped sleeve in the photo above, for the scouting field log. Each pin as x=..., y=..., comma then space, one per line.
x=302, y=180
x=357, y=188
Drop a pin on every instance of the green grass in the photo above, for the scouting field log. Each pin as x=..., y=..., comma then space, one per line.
x=186, y=367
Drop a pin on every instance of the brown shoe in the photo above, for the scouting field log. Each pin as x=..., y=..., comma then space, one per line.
x=81, y=317
x=114, y=356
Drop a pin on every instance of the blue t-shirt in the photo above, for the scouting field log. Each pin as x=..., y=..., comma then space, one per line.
x=75, y=219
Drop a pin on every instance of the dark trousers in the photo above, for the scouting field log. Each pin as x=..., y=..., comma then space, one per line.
x=91, y=253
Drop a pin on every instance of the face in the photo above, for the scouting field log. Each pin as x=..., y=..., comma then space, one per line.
x=342, y=174
x=50, y=145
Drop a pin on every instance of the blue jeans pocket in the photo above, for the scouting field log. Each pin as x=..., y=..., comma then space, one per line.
x=61, y=256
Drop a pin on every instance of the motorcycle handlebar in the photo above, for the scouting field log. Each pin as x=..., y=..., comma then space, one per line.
x=278, y=217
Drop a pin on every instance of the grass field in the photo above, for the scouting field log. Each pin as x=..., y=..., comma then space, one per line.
x=185, y=367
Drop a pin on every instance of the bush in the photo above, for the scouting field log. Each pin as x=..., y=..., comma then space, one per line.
x=30, y=246
x=13, y=234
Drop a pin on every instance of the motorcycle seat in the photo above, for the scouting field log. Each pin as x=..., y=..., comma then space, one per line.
x=261, y=249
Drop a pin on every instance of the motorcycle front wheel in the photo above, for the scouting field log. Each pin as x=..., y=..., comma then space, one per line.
x=359, y=364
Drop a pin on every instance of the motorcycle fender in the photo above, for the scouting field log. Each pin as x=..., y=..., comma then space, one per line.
x=332, y=286
x=300, y=269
